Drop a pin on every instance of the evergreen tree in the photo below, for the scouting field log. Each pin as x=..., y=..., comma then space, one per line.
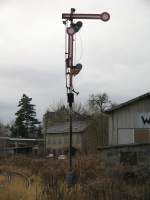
x=26, y=124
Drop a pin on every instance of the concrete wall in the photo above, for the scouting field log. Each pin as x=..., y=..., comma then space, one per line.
x=129, y=118
x=134, y=154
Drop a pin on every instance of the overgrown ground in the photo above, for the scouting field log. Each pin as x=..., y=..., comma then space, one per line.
x=96, y=181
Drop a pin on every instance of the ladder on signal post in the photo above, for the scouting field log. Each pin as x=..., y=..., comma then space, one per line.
x=71, y=69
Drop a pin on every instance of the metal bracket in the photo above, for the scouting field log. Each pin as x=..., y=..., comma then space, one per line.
x=75, y=92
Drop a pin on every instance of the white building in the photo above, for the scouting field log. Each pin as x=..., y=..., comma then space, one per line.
x=129, y=123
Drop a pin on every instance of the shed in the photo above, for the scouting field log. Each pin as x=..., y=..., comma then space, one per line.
x=129, y=133
x=129, y=122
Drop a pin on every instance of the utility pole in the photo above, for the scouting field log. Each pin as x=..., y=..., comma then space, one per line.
x=73, y=69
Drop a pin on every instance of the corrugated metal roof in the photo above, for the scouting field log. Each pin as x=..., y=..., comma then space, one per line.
x=77, y=126
x=128, y=102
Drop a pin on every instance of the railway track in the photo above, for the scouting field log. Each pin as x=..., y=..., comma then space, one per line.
x=10, y=176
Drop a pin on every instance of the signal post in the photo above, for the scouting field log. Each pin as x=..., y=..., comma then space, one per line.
x=73, y=69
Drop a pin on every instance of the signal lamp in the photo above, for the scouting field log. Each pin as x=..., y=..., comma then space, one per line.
x=77, y=69
x=77, y=26
x=78, y=66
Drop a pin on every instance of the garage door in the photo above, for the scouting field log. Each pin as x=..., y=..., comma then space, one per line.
x=125, y=136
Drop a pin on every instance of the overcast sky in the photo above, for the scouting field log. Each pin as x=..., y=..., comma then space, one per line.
x=114, y=54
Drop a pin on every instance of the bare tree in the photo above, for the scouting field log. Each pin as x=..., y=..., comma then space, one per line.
x=60, y=112
x=56, y=106
x=99, y=102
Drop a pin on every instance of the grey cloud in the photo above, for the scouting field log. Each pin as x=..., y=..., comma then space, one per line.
x=30, y=75
x=115, y=54
x=7, y=111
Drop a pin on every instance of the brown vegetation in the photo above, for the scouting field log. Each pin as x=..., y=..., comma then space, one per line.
x=95, y=180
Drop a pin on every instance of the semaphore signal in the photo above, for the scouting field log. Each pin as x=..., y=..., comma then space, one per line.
x=72, y=69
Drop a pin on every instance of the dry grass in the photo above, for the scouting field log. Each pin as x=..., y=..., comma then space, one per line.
x=95, y=180
x=17, y=191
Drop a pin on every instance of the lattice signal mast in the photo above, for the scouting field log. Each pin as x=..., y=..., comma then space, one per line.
x=71, y=69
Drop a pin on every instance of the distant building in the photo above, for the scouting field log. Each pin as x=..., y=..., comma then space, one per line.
x=88, y=133
x=57, y=136
x=25, y=146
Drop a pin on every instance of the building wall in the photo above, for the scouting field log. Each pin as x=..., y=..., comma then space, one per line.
x=61, y=141
x=96, y=134
x=133, y=119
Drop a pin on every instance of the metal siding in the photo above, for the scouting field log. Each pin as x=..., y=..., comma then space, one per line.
x=115, y=125
x=128, y=118
x=110, y=130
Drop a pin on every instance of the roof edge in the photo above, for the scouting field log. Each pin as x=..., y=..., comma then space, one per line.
x=128, y=102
